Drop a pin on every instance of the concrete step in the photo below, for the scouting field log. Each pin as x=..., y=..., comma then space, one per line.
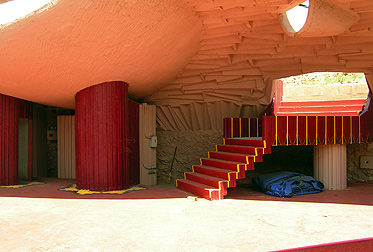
x=208, y=180
x=224, y=174
x=198, y=189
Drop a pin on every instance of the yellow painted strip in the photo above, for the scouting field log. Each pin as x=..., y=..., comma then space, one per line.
x=360, y=137
x=249, y=127
x=326, y=130
x=287, y=130
x=208, y=154
x=224, y=141
x=275, y=131
x=184, y=175
x=193, y=168
x=231, y=127
x=240, y=127
x=334, y=137
x=264, y=144
x=317, y=133
x=351, y=137
x=23, y=185
x=342, y=140
x=256, y=152
x=306, y=130
x=210, y=194
x=297, y=131
x=230, y=174
x=200, y=160
x=72, y=188
x=177, y=185
x=247, y=159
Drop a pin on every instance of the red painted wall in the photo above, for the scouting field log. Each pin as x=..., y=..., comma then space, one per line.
x=101, y=137
x=11, y=109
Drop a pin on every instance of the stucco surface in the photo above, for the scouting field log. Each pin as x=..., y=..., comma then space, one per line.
x=49, y=56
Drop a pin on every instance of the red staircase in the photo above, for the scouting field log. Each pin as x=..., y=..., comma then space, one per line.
x=284, y=123
x=321, y=108
x=223, y=167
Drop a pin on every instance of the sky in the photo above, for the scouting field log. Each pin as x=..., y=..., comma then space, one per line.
x=15, y=9
x=298, y=16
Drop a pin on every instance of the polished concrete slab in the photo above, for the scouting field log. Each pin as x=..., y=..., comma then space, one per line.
x=165, y=219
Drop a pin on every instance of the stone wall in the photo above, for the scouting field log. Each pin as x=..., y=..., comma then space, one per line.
x=354, y=172
x=191, y=146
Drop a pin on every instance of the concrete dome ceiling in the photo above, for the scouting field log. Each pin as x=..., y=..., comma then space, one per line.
x=49, y=56
x=174, y=52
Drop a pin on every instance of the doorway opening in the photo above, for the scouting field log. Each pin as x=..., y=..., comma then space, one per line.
x=23, y=149
x=45, y=149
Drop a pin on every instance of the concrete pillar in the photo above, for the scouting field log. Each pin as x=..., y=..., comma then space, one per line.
x=66, y=147
x=101, y=133
x=330, y=165
x=148, y=151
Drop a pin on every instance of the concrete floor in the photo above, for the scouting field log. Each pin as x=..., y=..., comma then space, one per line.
x=162, y=219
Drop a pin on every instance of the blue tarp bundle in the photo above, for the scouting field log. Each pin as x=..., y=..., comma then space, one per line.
x=287, y=184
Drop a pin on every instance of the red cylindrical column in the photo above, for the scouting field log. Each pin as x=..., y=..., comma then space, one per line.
x=101, y=133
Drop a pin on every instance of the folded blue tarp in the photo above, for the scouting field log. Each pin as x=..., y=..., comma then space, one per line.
x=287, y=184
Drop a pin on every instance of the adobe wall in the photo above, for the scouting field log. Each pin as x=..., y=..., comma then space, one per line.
x=325, y=92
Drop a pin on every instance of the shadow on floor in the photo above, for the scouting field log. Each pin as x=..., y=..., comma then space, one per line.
x=356, y=193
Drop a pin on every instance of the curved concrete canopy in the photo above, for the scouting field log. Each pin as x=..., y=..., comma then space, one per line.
x=175, y=52
x=49, y=56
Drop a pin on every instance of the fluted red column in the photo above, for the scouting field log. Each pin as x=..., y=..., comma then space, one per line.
x=11, y=109
x=101, y=133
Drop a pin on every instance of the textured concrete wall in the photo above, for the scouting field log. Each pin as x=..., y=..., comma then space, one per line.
x=354, y=172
